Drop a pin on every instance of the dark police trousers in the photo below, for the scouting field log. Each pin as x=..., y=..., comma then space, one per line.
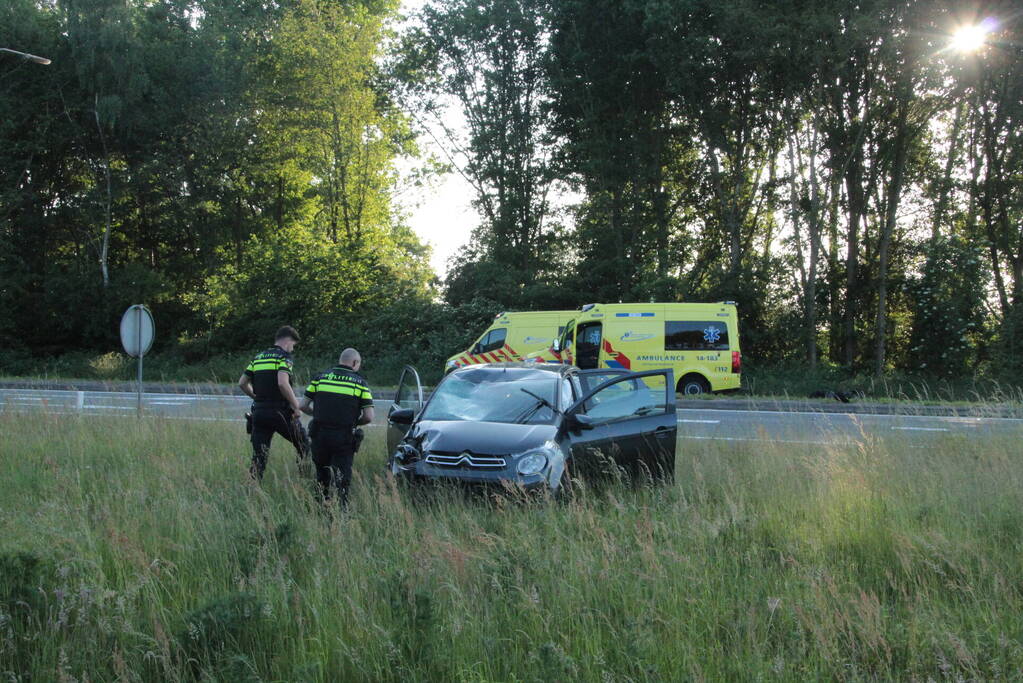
x=266, y=421
x=333, y=453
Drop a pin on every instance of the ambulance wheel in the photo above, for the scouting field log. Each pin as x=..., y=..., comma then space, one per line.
x=693, y=385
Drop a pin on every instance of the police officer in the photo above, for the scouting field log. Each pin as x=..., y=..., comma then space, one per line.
x=267, y=381
x=339, y=401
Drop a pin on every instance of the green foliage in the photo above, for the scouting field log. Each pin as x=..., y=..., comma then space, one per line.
x=234, y=163
x=1008, y=350
x=948, y=304
x=250, y=153
x=410, y=331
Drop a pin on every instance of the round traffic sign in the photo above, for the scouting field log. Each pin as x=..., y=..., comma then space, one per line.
x=137, y=330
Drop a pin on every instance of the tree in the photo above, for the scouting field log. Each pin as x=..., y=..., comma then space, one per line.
x=488, y=59
x=335, y=124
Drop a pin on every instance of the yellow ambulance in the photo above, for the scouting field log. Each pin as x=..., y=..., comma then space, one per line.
x=512, y=337
x=699, y=341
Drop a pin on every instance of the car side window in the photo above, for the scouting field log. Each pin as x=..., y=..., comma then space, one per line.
x=407, y=396
x=628, y=399
x=592, y=380
x=567, y=395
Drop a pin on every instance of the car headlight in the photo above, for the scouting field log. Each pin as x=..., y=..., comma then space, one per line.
x=533, y=461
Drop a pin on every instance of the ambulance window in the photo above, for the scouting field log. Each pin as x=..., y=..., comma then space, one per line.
x=694, y=335
x=495, y=339
x=569, y=333
x=561, y=330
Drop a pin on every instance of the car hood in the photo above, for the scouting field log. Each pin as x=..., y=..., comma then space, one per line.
x=492, y=438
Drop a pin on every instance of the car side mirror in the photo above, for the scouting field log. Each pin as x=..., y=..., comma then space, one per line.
x=477, y=348
x=581, y=421
x=401, y=417
x=557, y=345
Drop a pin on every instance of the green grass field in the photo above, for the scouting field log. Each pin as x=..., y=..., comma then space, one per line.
x=140, y=551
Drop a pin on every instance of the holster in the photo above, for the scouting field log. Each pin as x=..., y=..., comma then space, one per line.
x=357, y=436
x=248, y=423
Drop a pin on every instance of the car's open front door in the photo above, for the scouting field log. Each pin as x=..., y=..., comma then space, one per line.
x=628, y=421
x=409, y=396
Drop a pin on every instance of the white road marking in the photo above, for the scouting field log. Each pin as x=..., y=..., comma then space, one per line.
x=921, y=429
x=768, y=440
x=702, y=422
x=857, y=416
x=188, y=418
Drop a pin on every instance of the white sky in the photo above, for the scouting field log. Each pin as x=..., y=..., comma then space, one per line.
x=441, y=214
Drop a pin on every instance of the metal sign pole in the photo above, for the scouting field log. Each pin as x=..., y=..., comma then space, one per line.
x=138, y=341
x=139, y=312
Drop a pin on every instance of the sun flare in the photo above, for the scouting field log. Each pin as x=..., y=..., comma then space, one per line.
x=970, y=38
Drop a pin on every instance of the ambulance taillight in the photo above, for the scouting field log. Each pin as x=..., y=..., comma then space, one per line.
x=736, y=362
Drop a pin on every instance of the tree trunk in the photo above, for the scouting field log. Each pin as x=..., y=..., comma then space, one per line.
x=104, y=253
x=946, y=178
x=888, y=227
x=237, y=230
x=814, y=230
x=280, y=203
x=834, y=285
x=854, y=190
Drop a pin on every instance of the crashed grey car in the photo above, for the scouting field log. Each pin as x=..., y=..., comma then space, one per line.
x=533, y=426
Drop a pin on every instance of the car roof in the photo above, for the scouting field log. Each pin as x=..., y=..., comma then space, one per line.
x=554, y=368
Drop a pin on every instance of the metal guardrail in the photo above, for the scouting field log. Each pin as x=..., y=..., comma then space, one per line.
x=753, y=403
x=187, y=406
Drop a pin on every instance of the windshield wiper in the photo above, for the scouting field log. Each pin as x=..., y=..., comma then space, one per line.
x=540, y=403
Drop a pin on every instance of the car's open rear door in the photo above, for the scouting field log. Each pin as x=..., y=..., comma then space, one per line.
x=409, y=396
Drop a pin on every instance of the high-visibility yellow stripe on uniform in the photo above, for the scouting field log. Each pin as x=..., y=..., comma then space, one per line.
x=339, y=388
x=340, y=382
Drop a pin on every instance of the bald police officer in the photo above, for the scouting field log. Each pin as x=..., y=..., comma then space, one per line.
x=339, y=401
x=267, y=381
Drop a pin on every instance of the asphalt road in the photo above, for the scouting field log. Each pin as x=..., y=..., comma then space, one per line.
x=694, y=423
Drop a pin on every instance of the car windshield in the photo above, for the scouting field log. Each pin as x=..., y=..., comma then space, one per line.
x=495, y=395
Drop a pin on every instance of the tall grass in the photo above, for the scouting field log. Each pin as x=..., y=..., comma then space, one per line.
x=139, y=550
x=797, y=380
